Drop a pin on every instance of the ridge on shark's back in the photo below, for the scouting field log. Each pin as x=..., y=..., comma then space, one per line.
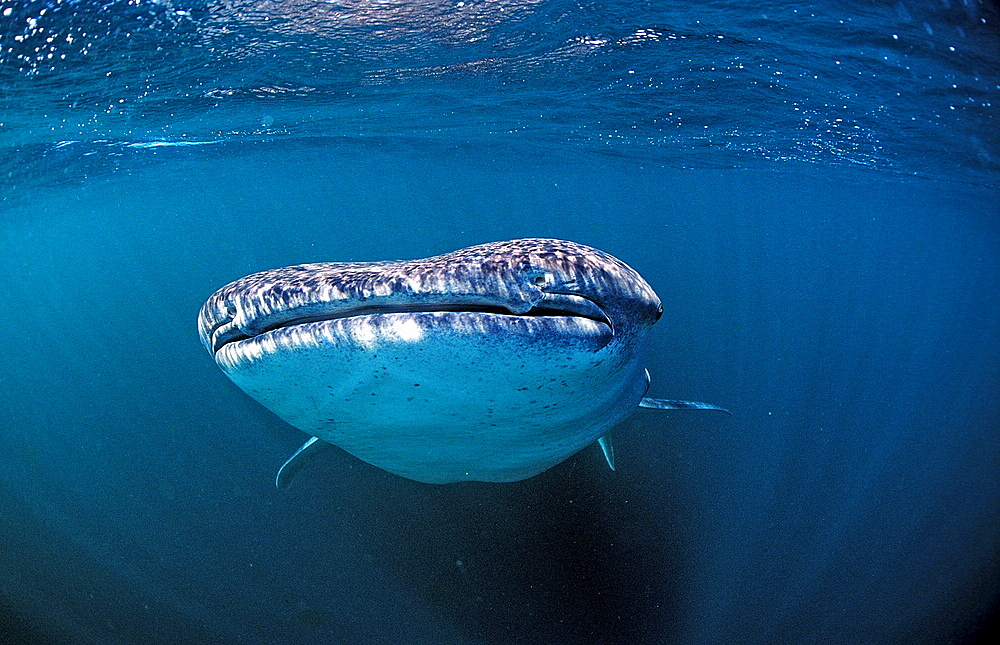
x=491, y=363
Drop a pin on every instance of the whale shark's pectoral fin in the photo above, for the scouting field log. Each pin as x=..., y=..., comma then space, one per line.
x=674, y=404
x=608, y=450
x=294, y=464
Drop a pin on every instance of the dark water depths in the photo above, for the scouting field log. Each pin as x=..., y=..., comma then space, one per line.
x=811, y=190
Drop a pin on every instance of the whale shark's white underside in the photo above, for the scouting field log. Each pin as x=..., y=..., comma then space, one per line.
x=492, y=363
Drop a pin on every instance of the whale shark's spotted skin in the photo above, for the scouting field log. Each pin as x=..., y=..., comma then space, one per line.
x=491, y=363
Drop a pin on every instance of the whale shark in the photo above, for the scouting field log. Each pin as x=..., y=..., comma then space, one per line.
x=491, y=363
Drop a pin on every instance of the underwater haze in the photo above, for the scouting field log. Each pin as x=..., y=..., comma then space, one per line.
x=810, y=187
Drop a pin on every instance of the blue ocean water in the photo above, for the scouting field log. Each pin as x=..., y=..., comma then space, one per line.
x=810, y=187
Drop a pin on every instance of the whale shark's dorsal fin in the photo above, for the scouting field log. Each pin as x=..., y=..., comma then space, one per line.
x=308, y=450
x=674, y=404
x=608, y=450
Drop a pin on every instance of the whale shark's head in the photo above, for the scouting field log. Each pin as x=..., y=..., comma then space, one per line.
x=524, y=278
x=490, y=363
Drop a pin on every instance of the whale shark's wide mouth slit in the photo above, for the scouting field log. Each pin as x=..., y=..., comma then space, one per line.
x=398, y=309
x=229, y=332
x=402, y=309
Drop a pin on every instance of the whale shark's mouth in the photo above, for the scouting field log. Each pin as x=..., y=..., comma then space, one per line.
x=553, y=305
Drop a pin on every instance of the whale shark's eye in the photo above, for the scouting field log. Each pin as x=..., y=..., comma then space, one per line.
x=231, y=308
x=540, y=278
